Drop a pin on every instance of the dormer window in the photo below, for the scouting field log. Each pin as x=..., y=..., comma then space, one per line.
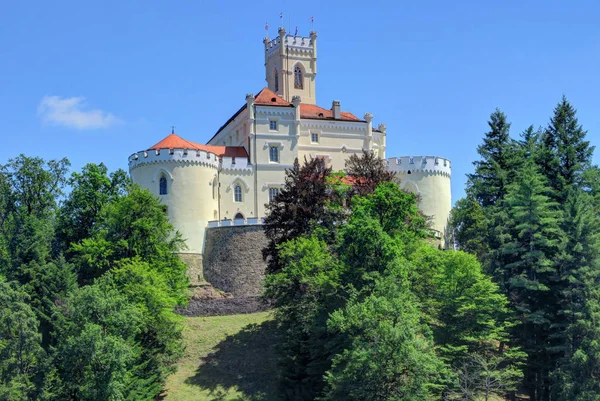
x=162, y=185
x=298, y=83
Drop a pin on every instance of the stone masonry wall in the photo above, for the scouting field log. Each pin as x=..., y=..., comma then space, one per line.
x=233, y=259
x=194, y=267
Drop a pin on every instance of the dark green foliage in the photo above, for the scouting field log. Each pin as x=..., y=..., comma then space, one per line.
x=470, y=226
x=539, y=240
x=29, y=191
x=114, y=338
x=364, y=317
x=390, y=355
x=565, y=153
x=93, y=189
x=499, y=157
x=133, y=226
x=22, y=358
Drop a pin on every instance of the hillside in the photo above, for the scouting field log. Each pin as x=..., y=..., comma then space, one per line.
x=226, y=358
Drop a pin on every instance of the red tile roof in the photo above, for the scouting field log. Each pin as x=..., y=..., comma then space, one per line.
x=312, y=111
x=174, y=141
x=266, y=97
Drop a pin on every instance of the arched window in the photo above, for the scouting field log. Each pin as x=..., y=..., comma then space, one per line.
x=274, y=154
x=237, y=193
x=162, y=185
x=239, y=216
x=276, y=80
x=298, y=83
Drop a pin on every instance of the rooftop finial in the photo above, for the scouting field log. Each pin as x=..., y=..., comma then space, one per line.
x=172, y=129
x=312, y=24
x=281, y=19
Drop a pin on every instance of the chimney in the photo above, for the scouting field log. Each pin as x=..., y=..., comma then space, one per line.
x=336, y=109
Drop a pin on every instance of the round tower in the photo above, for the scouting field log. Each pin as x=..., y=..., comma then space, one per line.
x=185, y=181
x=428, y=177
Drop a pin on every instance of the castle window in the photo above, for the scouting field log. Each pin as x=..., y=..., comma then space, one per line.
x=273, y=125
x=276, y=79
x=274, y=154
x=298, y=84
x=162, y=185
x=237, y=193
x=314, y=137
x=214, y=188
x=273, y=193
x=238, y=216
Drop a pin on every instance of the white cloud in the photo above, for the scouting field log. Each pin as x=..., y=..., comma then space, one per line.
x=72, y=112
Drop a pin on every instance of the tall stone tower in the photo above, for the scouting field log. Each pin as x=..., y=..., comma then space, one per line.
x=430, y=178
x=291, y=66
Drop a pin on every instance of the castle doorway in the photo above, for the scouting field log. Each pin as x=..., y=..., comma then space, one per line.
x=239, y=216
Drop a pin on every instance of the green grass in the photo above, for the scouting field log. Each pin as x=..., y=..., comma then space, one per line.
x=227, y=358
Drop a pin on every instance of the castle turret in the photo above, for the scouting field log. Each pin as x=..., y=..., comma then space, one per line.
x=291, y=65
x=428, y=177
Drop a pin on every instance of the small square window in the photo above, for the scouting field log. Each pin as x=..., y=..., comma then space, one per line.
x=273, y=125
x=314, y=138
x=274, y=154
x=273, y=193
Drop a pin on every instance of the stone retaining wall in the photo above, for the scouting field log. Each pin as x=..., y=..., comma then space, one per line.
x=233, y=259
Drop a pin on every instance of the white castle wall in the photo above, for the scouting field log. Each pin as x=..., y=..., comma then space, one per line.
x=429, y=177
x=190, y=202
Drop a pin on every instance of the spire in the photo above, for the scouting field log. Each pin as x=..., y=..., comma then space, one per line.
x=172, y=129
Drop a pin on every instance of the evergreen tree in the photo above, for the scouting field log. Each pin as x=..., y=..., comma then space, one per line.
x=495, y=169
x=531, y=272
x=565, y=153
x=578, y=334
x=22, y=359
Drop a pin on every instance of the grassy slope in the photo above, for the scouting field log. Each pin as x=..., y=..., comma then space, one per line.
x=226, y=358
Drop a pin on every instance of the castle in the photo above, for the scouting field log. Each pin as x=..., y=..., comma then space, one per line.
x=227, y=182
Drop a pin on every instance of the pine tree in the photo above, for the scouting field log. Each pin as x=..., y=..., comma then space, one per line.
x=530, y=272
x=498, y=160
x=565, y=153
x=578, y=332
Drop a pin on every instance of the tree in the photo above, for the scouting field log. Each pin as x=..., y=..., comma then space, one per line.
x=133, y=226
x=92, y=190
x=301, y=207
x=565, y=153
x=30, y=188
x=367, y=171
x=493, y=173
x=22, y=358
x=469, y=226
x=578, y=334
x=531, y=272
x=391, y=354
x=96, y=350
x=304, y=292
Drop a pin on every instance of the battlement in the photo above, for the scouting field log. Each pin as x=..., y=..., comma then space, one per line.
x=194, y=156
x=301, y=43
x=430, y=164
x=235, y=163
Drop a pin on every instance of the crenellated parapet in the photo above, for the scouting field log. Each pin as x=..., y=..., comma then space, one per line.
x=298, y=44
x=428, y=164
x=185, y=156
x=236, y=164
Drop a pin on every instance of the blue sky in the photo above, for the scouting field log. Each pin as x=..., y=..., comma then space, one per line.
x=96, y=81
